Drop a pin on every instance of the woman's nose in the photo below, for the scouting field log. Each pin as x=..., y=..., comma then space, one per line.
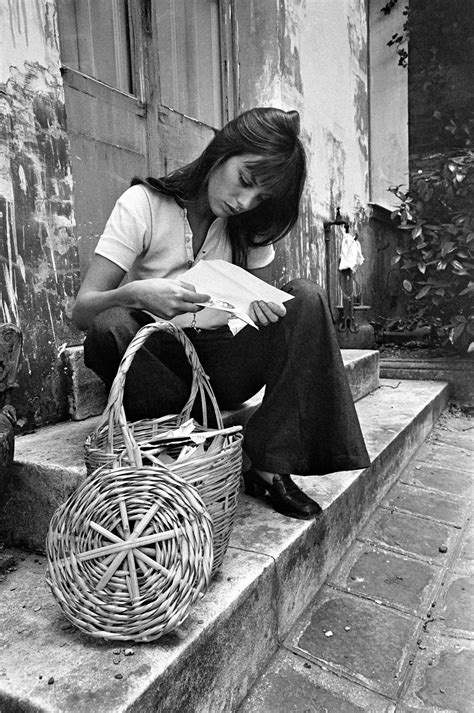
x=247, y=198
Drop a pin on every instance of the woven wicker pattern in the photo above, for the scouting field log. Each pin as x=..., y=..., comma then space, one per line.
x=129, y=553
x=214, y=473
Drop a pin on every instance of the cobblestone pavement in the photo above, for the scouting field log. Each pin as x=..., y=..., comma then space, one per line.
x=392, y=629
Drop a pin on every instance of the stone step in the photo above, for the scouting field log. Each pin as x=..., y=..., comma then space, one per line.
x=49, y=464
x=458, y=371
x=87, y=397
x=272, y=569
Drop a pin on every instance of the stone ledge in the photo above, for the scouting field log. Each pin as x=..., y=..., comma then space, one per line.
x=86, y=393
x=31, y=497
x=457, y=371
x=272, y=569
x=87, y=397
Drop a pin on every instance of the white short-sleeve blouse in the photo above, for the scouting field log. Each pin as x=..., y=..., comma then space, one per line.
x=148, y=235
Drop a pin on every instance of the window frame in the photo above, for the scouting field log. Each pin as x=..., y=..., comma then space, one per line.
x=145, y=65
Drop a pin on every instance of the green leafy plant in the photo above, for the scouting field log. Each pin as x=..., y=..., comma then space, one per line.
x=435, y=253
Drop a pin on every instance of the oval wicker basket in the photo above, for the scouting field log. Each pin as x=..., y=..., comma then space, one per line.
x=215, y=473
x=129, y=552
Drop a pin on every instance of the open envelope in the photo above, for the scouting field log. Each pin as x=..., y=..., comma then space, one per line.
x=231, y=288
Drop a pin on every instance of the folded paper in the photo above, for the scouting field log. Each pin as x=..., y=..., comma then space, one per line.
x=231, y=288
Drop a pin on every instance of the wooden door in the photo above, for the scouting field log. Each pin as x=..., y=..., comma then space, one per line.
x=146, y=83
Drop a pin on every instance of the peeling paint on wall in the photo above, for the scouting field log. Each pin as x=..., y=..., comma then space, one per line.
x=258, y=53
x=300, y=254
x=357, y=35
x=288, y=44
x=361, y=117
x=30, y=34
x=38, y=255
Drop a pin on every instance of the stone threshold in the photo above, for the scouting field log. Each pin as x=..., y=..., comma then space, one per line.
x=456, y=370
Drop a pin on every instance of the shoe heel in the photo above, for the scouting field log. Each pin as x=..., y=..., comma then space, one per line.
x=252, y=486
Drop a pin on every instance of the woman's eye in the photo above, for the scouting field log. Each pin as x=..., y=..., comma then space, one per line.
x=244, y=181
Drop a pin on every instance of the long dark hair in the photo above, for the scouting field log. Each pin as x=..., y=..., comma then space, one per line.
x=271, y=134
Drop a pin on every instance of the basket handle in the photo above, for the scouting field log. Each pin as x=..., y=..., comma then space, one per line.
x=114, y=412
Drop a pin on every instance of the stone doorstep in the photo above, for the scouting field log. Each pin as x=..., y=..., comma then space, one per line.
x=457, y=371
x=86, y=394
x=273, y=568
x=87, y=397
x=49, y=464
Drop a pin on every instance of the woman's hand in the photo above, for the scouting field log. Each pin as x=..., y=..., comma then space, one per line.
x=102, y=289
x=265, y=313
x=166, y=298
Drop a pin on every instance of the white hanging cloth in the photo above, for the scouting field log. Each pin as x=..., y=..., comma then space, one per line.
x=351, y=255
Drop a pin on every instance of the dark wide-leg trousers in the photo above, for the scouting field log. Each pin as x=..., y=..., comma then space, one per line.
x=306, y=424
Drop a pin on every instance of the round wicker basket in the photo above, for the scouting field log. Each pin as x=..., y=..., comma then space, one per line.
x=129, y=552
x=214, y=472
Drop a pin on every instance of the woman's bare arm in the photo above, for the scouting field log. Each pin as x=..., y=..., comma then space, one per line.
x=101, y=289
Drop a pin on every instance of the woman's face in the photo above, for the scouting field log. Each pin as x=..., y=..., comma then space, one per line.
x=231, y=188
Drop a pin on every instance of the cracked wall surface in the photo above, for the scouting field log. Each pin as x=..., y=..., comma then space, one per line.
x=38, y=256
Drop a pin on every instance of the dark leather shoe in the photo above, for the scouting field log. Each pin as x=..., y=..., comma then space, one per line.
x=285, y=495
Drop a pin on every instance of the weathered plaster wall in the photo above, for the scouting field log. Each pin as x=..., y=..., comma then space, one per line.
x=388, y=106
x=320, y=67
x=38, y=257
x=311, y=55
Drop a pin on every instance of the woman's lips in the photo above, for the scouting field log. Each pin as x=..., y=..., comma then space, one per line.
x=230, y=209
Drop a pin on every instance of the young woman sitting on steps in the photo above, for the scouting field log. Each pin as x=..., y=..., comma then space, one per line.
x=233, y=202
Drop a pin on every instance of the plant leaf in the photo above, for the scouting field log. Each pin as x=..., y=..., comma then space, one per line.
x=468, y=289
x=458, y=330
x=424, y=291
x=446, y=247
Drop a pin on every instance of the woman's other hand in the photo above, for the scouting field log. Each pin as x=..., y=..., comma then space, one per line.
x=166, y=298
x=265, y=313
